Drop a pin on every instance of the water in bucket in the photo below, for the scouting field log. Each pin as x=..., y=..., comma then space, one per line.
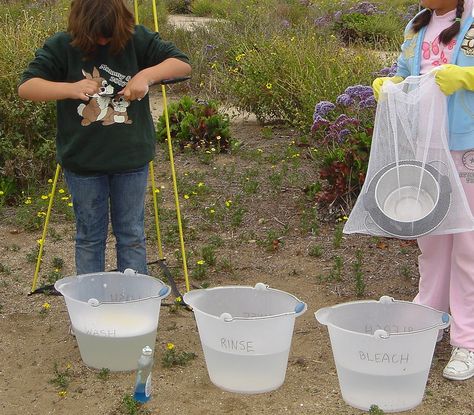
x=113, y=315
x=245, y=335
x=382, y=350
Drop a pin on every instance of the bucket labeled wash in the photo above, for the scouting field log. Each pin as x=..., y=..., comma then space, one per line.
x=113, y=315
x=245, y=334
x=383, y=350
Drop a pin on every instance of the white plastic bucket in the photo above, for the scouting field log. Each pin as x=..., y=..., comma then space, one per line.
x=245, y=334
x=113, y=315
x=382, y=350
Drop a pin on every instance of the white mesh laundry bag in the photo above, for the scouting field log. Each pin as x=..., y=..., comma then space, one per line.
x=412, y=187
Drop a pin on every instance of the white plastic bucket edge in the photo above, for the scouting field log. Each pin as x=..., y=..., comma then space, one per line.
x=94, y=302
x=300, y=307
x=323, y=313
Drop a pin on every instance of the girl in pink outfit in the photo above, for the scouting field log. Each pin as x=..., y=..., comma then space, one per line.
x=446, y=262
x=443, y=35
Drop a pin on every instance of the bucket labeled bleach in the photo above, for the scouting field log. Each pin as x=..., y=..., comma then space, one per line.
x=113, y=315
x=383, y=350
x=245, y=334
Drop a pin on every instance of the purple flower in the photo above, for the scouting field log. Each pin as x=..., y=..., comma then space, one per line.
x=322, y=21
x=285, y=23
x=364, y=7
x=359, y=92
x=318, y=123
x=322, y=108
x=369, y=102
x=345, y=100
x=342, y=135
x=388, y=71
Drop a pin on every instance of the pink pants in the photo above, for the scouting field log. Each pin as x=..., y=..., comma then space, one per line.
x=446, y=267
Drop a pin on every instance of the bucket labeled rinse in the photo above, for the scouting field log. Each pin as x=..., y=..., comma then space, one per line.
x=382, y=350
x=113, y=315
x=245, y=334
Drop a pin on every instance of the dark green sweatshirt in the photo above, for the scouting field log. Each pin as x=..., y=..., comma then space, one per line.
x=106, y=134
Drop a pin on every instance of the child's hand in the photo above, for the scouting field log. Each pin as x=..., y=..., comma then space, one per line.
x=136, y=88
x=83, y=89
x=451, y=78
x=378, y=82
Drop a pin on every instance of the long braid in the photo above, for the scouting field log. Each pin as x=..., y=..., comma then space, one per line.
x=449, y=33
x=422, y=20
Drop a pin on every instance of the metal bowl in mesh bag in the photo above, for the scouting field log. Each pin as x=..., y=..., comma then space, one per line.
x=408, y=199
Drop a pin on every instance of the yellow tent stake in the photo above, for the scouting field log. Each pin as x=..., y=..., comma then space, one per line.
x=135, y=5
x=45, y=227
x=175, y=187
x=155, y=15
x=155, y=209
x=173, y=172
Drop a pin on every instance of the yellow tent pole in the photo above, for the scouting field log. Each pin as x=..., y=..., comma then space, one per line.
x=155, y=210
x=155, y=15
x=135, y=6
x=45, y=227
x=175, y=188
x=173, y=171
x=152, y=177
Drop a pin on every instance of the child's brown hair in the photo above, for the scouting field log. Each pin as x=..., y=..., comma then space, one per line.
x=90, y=20
x=447, y=34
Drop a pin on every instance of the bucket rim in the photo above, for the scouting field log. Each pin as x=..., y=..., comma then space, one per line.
x=382, y=334
x=64, y=282
x=300, y=307
x=414, y=229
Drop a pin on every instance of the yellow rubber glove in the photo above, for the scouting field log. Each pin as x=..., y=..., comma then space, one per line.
x=378, y=82
x=451, y=78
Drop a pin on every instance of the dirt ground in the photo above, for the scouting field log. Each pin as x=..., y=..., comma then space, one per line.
x=33, y=342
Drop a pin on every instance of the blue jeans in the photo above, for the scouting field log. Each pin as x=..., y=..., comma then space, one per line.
x=91, y=196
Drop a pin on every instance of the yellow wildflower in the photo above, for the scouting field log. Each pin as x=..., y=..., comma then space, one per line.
x=44, y=197
x=2, y=192
x=269, y=85
x=62, y=394
x=200, y=184
x=201, y=262
x=170, y=346
x=228, y=203
x=46, y=306
x=186, y=196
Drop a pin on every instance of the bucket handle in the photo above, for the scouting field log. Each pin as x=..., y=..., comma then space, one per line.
x=300, y=308
x=382, y=334
x=445, y=321
x=323, y=313
x=163, y=293
x=445, y=168
x=368, y=221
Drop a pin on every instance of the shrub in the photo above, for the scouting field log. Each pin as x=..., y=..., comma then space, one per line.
x=280, y=77
x=374, y=29
x=27, y=144
x=179, y=6
x=196, y=125
x=343, y=133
